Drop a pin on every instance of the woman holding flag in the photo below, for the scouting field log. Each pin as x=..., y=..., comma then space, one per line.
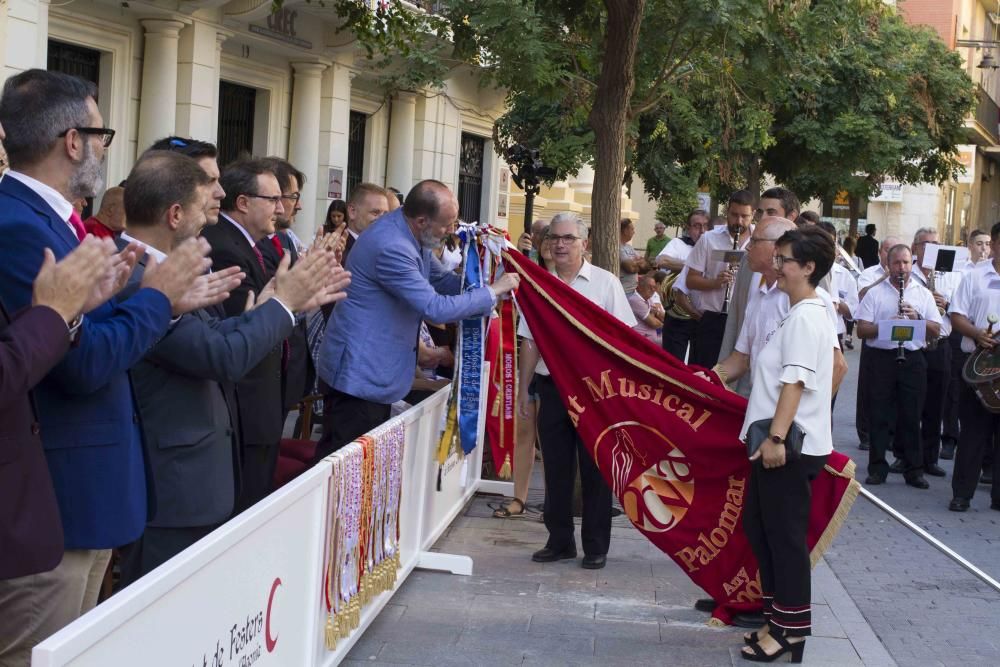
x=792, y=387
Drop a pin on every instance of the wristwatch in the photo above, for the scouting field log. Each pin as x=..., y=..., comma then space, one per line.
x=777, y=439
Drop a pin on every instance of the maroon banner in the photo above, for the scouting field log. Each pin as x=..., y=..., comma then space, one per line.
x=501, y=352
x=665, y=440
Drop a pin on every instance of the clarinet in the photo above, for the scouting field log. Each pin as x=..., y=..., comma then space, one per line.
x=733, y=268
x=900, y=354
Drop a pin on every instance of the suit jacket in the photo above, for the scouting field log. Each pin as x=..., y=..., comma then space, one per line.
x=184, y=388
x=260, y=391
x=30, y=529
x=90, y=428
x=867, y=250
x=370, y=347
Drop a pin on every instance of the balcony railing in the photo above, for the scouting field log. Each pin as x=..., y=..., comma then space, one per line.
x=988, y=115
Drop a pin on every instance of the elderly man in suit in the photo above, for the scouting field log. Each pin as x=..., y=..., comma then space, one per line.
x=369, y=353
x=251, y=203
x=184, y=384
x=56, y=141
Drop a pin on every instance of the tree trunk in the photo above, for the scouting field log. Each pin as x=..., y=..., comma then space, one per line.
x=609, y=119
x=853, y=204
x=754, y=178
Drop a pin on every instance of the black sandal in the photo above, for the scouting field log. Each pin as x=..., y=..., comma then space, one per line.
x=760, y=655
x=752, y=638
x=504, y=512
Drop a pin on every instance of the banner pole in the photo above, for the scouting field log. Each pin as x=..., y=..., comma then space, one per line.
x=930, y=539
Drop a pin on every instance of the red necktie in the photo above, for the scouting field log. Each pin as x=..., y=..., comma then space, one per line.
x=276, y=242
x=260, y=258
x=77, y=224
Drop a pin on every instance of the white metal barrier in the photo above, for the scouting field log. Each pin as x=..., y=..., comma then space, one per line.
x=251, y=592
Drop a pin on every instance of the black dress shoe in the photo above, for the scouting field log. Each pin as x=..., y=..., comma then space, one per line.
x=898, y=467
x=547, y=555
x=705, y=604
x=872, y=480
x=934, y=470
x=594, y=562
x=947, y=451
x=986, y=478
x=918, y=482
x=864, y=446
x=958, y=504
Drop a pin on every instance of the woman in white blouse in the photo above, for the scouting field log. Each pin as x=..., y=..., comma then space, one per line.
x=792, y=381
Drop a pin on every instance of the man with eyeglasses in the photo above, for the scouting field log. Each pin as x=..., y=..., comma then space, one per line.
x=709, y=278
x=252, y=202
x=561, y=445
x=87, y=420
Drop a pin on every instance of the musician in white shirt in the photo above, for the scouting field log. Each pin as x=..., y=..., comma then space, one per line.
x=896, y=385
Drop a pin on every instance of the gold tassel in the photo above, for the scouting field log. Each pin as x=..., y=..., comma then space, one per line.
x=331, y=633
x=505, y=470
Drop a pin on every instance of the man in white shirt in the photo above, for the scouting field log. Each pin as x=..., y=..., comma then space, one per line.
x=649, y=318
x=938, y=352
x=678, y=331
x=710, y=279
x=561, y=445
x=977, y=298
x=897, y=386
x=871, y=276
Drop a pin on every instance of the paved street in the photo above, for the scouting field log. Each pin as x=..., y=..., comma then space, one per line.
x=882, y=597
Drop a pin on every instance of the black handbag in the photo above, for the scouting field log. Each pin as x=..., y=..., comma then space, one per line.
x=760, y=430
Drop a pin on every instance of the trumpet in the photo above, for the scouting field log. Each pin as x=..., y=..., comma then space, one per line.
x=900, y=353
x=733, y=268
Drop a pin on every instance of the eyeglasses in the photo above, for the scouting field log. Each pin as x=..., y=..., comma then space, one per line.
x=566, y=239
x=779, y=261
x=274, y=199
x=292, y=197
x=105, y=133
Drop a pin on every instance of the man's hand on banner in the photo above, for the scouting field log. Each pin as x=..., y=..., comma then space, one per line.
x=772, y=453
x=508, y=282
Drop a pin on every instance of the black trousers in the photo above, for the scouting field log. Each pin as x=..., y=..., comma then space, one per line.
x=346, y=417
x=955, y=383
x=861, y=405
x=776, y=520
x=898, y=391
x=256, y=473
x=677, y=335
x=938, y=376
x=156, y=547
x=979, y=429
x=561, y=449
x=708, y=334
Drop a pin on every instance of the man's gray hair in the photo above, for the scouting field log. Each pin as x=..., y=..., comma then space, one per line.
x=924, y=230
x=898, y=248
x=36, y=107
x=582, y=230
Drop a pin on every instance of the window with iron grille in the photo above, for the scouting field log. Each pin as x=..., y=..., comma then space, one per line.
x=355, y=151
x=236, y=117
x=470, y=177
x=76, y=60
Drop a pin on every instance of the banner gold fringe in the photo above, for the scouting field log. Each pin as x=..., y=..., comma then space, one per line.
x=840, y=515
x=505, y=471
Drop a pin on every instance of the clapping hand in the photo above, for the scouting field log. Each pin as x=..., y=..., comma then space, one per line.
x=178, y=273
x=69, y=285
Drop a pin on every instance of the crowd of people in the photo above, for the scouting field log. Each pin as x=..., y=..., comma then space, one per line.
x=151, y=354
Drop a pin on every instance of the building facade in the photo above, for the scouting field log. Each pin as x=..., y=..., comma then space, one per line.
x=262, y=83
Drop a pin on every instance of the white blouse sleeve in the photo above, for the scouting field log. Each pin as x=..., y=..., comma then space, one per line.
x=801, y=344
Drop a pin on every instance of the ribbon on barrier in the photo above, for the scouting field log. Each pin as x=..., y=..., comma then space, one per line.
x=665, y=440
x=470, y=366
x=501, y=424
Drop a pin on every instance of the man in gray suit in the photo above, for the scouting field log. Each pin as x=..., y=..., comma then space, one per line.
x=184, y=384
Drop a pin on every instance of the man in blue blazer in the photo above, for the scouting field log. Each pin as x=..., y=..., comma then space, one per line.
x=369, y=353
x=55, y=144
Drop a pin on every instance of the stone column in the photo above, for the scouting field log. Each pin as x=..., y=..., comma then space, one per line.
x=158, y=99
x=197, y=82
x=220, y=37
x=334, y=127
x=401, y=131
x=303, y=142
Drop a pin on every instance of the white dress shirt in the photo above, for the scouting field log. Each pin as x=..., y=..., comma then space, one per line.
x=977, y=297
x=766, y=309
x=870, y=276
x=945, y=284
x=700, y=259
x=799, y=351
x=845, y=290
x=881, y=303
x=600, y=286
x=676, y=249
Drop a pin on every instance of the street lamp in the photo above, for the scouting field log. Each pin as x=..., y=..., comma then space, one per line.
x=528, y=173
x=987, y=61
